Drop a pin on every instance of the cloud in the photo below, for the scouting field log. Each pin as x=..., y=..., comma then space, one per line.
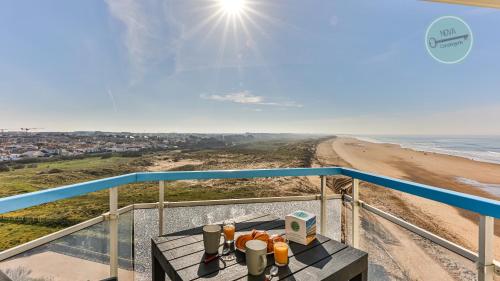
x=240, y=97
x=152, y=35
x=245, y=97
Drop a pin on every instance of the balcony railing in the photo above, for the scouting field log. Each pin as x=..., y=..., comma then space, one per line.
x=486, y=208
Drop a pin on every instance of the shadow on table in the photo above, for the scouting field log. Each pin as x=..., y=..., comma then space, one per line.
x=210, y=269
x=214, y=268
x=283, y=272
x=319, y=251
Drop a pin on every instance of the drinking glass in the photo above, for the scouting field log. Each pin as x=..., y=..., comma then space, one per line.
x=280, y=253
x=228, y=228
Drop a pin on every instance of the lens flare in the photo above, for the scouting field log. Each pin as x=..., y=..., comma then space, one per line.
x=232, y=7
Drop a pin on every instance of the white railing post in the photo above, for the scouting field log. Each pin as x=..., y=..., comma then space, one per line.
x=485, y=266
x=323, y=214
x=161, y=198
x=113, y=232
x=355, y=213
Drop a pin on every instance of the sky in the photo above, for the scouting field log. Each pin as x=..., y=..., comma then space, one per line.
x=332, y=66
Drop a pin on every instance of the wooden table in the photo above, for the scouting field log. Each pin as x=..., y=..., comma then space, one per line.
x=181, y=256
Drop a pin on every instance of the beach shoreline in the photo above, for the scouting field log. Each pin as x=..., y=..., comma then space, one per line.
x=466, y=175
x=477, y=148
x=440, y=170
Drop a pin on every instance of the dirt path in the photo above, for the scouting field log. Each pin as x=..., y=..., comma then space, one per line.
x=168, y=164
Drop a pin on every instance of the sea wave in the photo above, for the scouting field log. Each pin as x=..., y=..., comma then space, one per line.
x=477, y=149
x=368, y=139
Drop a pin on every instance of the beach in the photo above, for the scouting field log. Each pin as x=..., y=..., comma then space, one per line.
x=434, y=169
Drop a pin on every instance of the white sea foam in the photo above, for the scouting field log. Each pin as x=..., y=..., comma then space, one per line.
x=367, y=139
x=492, y=188
x=475, y=148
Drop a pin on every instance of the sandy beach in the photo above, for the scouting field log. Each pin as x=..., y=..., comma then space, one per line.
x=434, y=169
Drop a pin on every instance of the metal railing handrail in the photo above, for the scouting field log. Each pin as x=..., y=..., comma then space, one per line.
x=11, y=252
x=480, y=205
x=25, y=200
x=476, y=204
x=488, y=209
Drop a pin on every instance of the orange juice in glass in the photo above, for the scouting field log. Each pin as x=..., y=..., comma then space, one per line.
x=229, y=229
x=280, y=253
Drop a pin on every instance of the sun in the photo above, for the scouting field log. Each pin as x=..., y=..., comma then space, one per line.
x=232, y=7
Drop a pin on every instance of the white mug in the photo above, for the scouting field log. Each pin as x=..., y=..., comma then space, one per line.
x=256, y=256
x=211, y=238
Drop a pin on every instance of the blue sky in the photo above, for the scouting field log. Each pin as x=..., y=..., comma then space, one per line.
x=358, y=67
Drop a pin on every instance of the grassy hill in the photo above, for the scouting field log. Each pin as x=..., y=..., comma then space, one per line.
x=27, y=224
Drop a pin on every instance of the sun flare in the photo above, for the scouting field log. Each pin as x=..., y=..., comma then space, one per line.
x=232, y=7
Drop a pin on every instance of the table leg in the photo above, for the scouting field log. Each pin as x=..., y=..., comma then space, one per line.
x=363, y=276
x=158, y=272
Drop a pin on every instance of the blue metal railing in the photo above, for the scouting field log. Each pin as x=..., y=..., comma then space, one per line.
x=483, y=206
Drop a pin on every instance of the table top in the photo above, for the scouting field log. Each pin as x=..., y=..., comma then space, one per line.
x=182, y=256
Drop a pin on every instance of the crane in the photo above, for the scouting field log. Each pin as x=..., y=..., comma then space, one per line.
x=26, y=130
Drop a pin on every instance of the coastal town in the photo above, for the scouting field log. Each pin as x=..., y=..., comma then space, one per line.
x=18, y=145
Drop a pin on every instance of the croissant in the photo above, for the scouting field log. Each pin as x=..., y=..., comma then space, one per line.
x=270, y=245
x=262, y=236
x=259, y=235
x=270, y=242
x=256, y=233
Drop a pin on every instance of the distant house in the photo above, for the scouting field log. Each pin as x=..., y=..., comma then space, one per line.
x=49, y=152
x=33, y=154
x=14, y=156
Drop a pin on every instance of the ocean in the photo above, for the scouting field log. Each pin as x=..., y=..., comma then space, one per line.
x=478, y=148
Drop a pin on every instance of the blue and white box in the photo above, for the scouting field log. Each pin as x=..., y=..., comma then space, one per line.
x=300, y=227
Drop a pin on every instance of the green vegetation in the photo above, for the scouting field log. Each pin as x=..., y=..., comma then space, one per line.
x=14, y=234
x=53, y=174
x=28, y=224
